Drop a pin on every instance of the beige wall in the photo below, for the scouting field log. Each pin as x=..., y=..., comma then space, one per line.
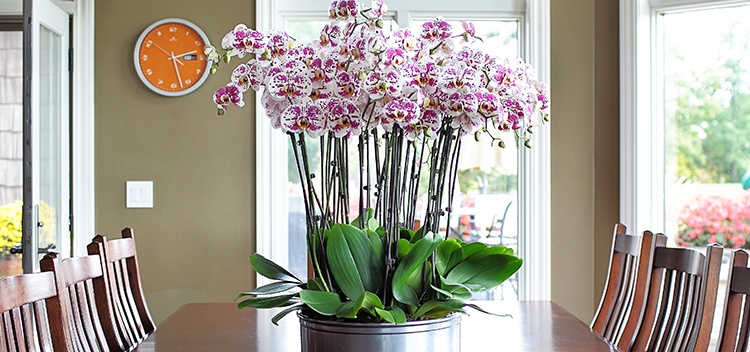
x=193, y=245
x=585, y=152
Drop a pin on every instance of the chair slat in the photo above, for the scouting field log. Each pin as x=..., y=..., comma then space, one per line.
x=23, y=328
x=74, y=305
x=132, y=318
x=681, y=300
x=733, y=335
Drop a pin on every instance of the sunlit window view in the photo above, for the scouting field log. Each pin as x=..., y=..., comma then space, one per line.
x=484, y=207
x=707, y=110
x=11, y=151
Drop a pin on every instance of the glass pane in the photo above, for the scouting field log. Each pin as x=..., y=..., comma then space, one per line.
x=49, y=139
x=485, y=203
x=707, y=109
x=11, y=149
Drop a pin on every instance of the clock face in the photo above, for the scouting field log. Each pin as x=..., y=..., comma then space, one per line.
x=169, y=57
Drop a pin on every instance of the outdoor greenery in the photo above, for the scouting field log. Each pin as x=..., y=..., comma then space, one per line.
x=712, y=117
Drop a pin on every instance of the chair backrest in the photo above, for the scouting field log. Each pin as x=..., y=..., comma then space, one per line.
x=132, y=317
x=24, y=323
x=681, y=300
x=733, y=335
x=621, y=304
x=82, y=290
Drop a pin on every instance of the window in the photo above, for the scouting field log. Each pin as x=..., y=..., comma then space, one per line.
x=512, y=24
x=685, y=116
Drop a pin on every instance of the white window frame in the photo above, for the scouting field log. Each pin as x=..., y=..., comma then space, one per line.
x=642, y=203
x=534, y=191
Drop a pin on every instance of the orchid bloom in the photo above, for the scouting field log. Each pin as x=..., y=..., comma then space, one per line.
x=436, y=31
x=243, y=40
x=402, y=112
x=228, y=94
x=344, y=118
x=305, y=116
x=292, y=81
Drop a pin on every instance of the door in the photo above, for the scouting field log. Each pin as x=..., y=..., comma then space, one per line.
x=46, y=202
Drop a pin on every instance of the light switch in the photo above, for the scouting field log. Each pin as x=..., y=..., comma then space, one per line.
x=139, y=194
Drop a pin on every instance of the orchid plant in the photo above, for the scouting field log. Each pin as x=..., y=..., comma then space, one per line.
x=401, y=101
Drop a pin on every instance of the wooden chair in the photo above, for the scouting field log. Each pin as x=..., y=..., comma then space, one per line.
x=24, y=322
x=132, y=318
x=733, y=335
x=625, y=289
x=681, y=300
x=82, y=290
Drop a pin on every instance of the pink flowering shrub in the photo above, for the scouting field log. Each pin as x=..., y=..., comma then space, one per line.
x=715, y=219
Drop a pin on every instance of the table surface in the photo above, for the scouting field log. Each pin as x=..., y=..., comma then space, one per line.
x=534, y=326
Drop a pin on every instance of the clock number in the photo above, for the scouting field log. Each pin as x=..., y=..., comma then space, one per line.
x=160, y=82
x=145, y=57
x=148, y=43
x=198, y=71
x=174, y=86
x=149, y=72
x=173, y=29
x=198, y=43
x=188, y=81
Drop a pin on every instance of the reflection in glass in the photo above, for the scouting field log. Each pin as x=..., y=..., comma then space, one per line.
x=11, y=149
x=49, y=138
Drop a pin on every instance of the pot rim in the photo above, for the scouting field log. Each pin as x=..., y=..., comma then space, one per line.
x=307, y=322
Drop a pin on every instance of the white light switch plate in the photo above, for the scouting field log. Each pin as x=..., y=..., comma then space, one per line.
x=139, y=194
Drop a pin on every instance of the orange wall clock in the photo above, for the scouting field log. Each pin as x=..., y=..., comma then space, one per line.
x=169, y=57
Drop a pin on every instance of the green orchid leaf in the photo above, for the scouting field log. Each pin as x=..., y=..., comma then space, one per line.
x=439, y=308
x=443, y=255
x=283, y=313
x=458, y=256
x=407, y=267
x=370, y=302
x=368, y=216
x=271, y=270
x=372, y=224
x=393, y=316
x=315, y=284
x=453, y=291
x=273, y=288
x=378, y=247
x=353, y=261
x=326, y=303
x=487, y=312
x=406, y=234
x=349, y=310
x=403, y=247
x=482, y=272
x=267, y=302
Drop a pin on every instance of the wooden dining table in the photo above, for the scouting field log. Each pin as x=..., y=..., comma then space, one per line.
x=530, y=326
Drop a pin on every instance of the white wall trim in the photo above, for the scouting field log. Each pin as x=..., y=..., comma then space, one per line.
x=83, y=127
x=534, y=191
x=271, y=159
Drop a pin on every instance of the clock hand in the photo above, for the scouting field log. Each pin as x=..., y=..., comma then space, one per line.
x=174, y=62
x=189, y=52
x=172, y=56
x=160, y=48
